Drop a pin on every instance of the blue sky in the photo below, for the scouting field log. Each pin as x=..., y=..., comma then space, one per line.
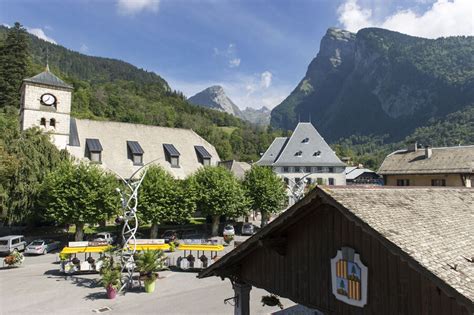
x=257, y=49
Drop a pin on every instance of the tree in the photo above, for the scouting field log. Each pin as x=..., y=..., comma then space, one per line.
x=219, y=193
x=265, y=190
x=79, y=194
x=13, y=65
x=35, y=157
x=163, y=199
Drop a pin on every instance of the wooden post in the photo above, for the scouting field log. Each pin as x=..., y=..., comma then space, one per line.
x=242, y=298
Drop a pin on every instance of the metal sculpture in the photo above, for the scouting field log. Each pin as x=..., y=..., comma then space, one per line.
x=296, y=189
x=130, y=224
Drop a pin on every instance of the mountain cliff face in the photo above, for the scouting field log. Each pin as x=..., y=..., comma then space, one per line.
x=214, y=97
x=380, y=82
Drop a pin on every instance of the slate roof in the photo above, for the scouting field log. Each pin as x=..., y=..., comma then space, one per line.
x=236, y=167
x=202, y=152
x=47, y=78
x=300, y=149
x=135, y=147
x=93, y=145
x=354, y=172
x=113, y=137
x=442, y=161
x=431, y=228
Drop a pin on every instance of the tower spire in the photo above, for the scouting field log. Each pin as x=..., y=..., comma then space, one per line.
x=47, y=60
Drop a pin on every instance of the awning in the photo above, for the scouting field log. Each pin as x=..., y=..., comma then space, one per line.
x=135, y=147
x=202, y=152
x=171, y=150
x=93, y=145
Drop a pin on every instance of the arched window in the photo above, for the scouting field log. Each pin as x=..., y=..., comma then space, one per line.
x=43, y=122
x=52, y=122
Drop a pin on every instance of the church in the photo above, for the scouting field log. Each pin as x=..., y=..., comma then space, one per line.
x=122, y=148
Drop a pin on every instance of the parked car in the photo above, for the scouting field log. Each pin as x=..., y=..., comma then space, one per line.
x=248, y=229
x=103, y=237
x=42, y=247
x=170, y=236
x=228, y=230
x=11, y=243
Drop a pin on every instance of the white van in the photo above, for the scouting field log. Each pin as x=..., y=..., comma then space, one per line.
x=11, y=243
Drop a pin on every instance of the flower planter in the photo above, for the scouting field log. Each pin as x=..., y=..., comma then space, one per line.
x=149, y=286
x=111, y=292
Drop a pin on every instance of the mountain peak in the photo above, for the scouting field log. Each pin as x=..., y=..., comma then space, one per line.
x=214, y=97
x=339, y=34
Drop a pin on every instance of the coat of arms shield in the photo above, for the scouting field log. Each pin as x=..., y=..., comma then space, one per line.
x=349, y=277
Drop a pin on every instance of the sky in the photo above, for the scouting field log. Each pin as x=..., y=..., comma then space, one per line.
x=258, y=50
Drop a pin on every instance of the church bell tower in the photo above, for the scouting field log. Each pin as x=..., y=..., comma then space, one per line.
x=46, y=103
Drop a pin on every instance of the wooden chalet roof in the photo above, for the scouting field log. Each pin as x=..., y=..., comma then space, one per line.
x=431, y=228
x=443, y=160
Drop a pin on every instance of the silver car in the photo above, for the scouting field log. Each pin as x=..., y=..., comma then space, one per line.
x=11, y=243
x=42, y=247
x=248, y=229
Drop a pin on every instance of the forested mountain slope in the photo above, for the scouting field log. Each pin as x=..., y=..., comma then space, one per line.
x=379, y=82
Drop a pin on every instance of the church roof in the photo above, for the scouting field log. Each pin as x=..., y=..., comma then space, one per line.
x=117, y=137
x=48, y=78
x=305, y=147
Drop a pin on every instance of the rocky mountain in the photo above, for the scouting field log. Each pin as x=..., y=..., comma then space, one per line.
x=379, y=82
x=257, y=116
x=214, y=97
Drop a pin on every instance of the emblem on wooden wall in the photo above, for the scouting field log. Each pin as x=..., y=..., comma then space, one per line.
x=349, y=277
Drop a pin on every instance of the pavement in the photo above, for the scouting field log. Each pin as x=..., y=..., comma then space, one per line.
x=37, y=287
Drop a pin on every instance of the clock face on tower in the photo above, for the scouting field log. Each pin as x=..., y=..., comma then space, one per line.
x=48, y=99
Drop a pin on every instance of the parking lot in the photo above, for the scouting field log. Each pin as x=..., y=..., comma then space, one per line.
x=38, y=288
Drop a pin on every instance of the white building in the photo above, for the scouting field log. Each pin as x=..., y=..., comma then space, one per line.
x=304, y=156
x=120, y=147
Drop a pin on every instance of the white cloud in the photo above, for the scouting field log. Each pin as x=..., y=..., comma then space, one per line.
x=443, y=18
x=132, y=7
x=84, y=48
x=234, y=62
x=38, y=32
x=266, y=79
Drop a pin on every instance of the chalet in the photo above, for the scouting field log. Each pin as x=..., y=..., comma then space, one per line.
x=363, y=250
x=362, y=176
x=448, y=166
x=304, y=156
x=120, y=147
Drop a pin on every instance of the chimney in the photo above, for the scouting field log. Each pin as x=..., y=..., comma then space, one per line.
x=428, y=152
x=413, y=147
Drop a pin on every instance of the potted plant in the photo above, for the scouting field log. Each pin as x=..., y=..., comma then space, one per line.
x=111, y=280
x=14, y=259
x=148, y=263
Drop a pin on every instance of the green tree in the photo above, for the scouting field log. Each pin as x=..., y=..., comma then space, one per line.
x=163, y=199
x=265, y=190
x=13, y=65
x=36, y=156
x=219, y=193
x=79, y=194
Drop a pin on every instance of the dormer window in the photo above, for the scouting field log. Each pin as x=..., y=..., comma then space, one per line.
x=52, y=122
x=299, y=153
x=135, y=152
x=305, y=140
x=317, y=153
x=94, y=150
x=171, y=154
x=204, y=157
x=43, y=122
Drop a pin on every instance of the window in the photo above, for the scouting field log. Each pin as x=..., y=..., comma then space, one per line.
x=286, y=180
x=403, y=182
x=305, y=140
x=317, y=153
x=52, y=122
x=299, y=153
x=330, y=169
x=319, y=181
x=438, y=182
x=319, y=169
x=172, y=155
x=204, y=157
x=135, y=152
x=297, y=169
x=307, y=169
x=308, y=181
x=286, y=169
x=297, y=180
x=94, y=150
x=331, y=181
x=15, y=241
x=43, y=122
